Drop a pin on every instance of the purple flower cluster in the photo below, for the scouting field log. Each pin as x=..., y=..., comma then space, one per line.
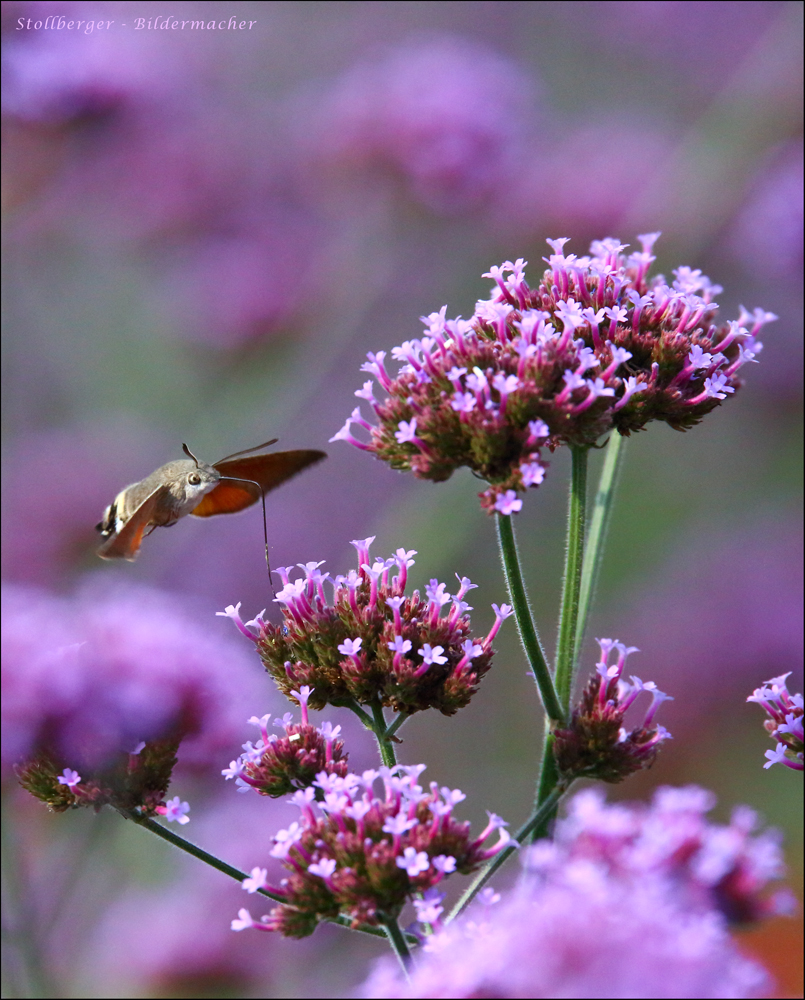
x=627, y=901
x=276, y=765
x=88, y=677
x=724, y=868
x=363, y=855
x=595, y=744
x=134, y=783
x=596, y=347
x=785, y=711
x=373, y=644
x=445, y=115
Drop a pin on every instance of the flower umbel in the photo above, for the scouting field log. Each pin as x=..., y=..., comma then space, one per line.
x=595, y=744
x=363, y=855
x=785, y=711
x=277, y=765
x=373, y=643
x=596, y=347
x=133, y=783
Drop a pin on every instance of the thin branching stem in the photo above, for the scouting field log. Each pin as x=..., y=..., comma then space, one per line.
x=525, y=623
x=566, y=641
x=523, y=834
x=571, y=586
x=399, y=944
x=597, y=532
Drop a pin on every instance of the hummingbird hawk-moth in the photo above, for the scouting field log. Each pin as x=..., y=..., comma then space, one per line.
x=188, y=486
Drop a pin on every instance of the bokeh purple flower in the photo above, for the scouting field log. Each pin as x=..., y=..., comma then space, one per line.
x=145, y=161
x=767, y=234
x=627, y=901
x=59, y=77
x=94, y=675
x=585, y=179
x=446, y=114
x=56, y=483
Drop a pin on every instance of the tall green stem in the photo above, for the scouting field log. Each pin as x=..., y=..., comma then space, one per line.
x=571, y=587
x=566, y=642
x=596, y=536
x=525, y=623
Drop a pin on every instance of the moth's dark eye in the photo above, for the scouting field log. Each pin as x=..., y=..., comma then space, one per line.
x=194, y=479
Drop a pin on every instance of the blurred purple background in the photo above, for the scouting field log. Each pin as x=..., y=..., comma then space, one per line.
x=205, y=231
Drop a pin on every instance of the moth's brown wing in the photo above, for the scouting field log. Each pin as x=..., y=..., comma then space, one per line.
x=268, y=470
x=227, y=498
x=125, y=544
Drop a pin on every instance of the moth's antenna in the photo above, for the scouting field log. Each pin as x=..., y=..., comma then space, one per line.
x=232, y=479
x=247, y=451
x=189, y=453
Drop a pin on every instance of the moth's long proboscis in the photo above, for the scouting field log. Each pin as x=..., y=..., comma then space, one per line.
x=233, y=479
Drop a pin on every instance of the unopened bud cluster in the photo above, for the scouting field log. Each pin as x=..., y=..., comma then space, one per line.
x=278, y=765
x=597, y=346
x=363, y=855
x=373, y=644
x=133, y=783
x=784, y=725
x=596, y=744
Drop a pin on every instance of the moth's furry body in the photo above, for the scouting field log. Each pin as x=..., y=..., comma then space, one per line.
x=178, y=495
x=187, y=486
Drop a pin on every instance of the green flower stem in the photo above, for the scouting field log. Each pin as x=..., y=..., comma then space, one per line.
x=525, y=623
x=235, y=873
x=548, y=780
x=376, y=723
x=574, y=554
x=397, y=724
x=385, y=745
x=367, y=720
x=197, y=852
x=568, y=629
x=537, y=818
x=398, y=943
x=599, y=524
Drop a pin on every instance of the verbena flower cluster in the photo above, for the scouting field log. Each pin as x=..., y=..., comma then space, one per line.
x=785, y=711
x=595, y=744
x=596, y=347
x=100, y=690
x=628, y=900
x=372, y=644
x=134, y=783
x=365, y=855
x=277, y=765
